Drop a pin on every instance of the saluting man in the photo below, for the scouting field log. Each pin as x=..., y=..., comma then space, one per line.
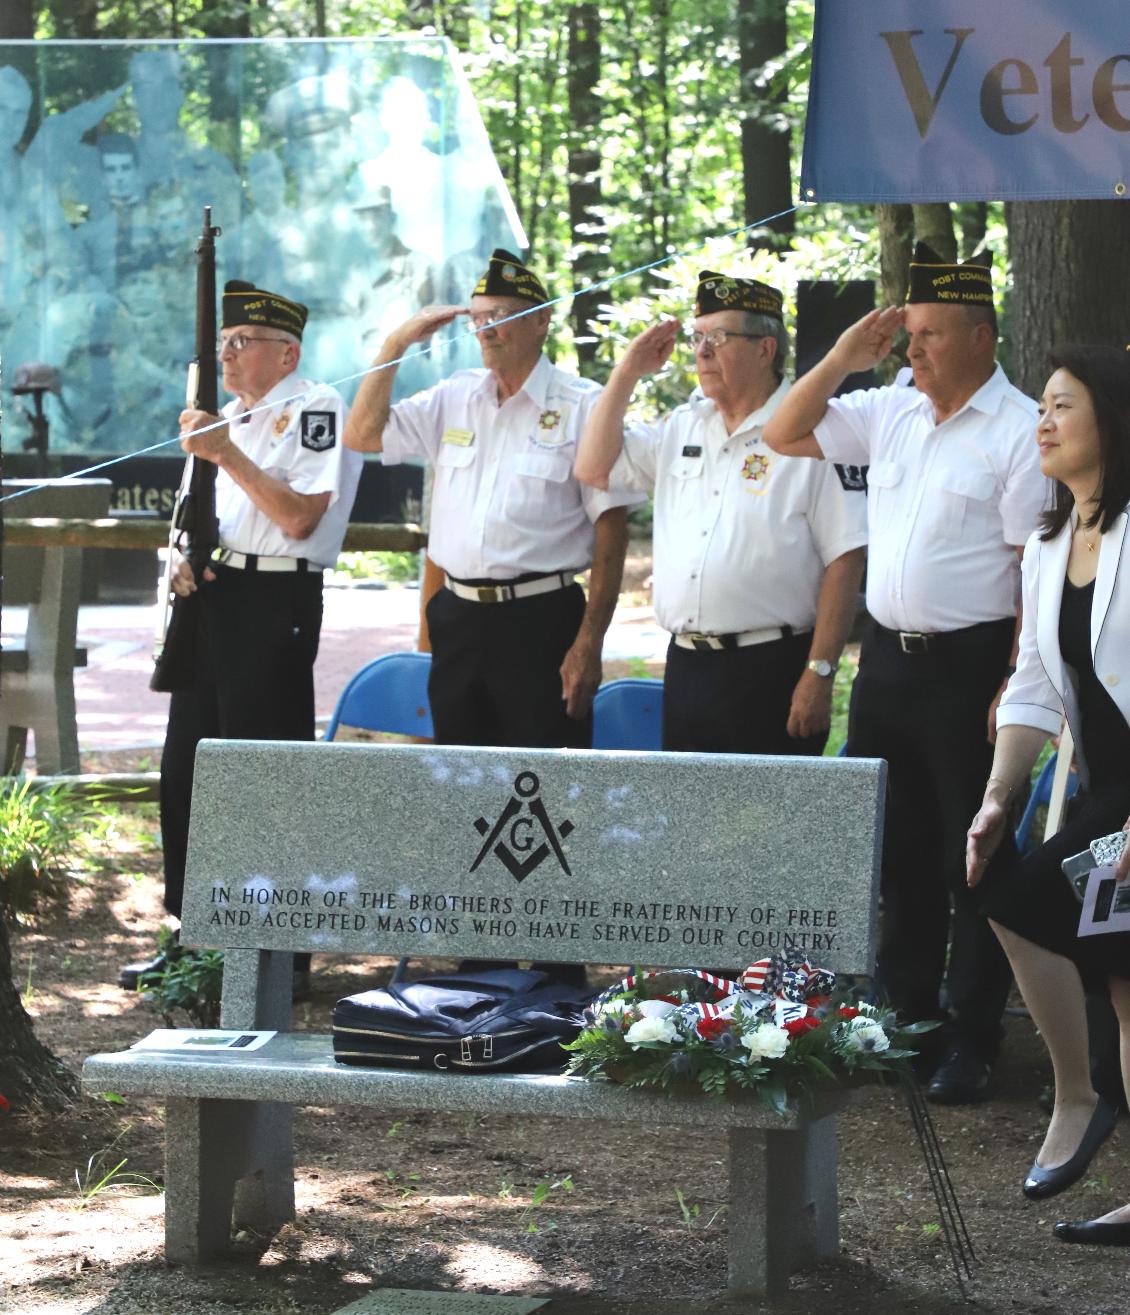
x=954, y=491
x=284, y=490
x=515, y=646
x=758, y=558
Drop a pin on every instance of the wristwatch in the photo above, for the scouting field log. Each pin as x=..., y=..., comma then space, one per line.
x=822, y=667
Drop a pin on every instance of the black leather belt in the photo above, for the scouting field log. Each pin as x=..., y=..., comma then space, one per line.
x=917, y=643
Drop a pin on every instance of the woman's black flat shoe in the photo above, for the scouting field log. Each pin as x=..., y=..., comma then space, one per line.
x=1090, y=1232
x=1042, y=1183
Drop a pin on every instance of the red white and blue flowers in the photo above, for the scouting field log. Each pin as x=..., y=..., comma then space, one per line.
x=779, y=1032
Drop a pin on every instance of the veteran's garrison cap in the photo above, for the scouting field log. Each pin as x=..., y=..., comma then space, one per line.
x=244, y=303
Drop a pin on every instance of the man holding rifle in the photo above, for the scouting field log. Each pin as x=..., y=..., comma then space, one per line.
x=284, y=489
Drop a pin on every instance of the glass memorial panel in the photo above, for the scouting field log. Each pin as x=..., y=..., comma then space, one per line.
x=355, y=176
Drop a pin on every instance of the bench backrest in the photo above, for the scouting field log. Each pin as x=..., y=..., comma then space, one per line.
x=597, y=857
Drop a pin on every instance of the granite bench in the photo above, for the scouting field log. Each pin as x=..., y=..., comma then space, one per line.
x=37, y=689
x=600, y=857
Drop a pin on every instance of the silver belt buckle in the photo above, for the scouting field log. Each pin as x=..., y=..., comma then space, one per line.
x=913, y=642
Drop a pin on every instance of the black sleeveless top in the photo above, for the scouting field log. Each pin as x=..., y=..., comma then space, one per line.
x=1105, y=733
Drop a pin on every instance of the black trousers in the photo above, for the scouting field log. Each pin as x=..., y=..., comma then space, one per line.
x=254, y=681
x=495, y=675
x=926, y=715
x=735, y=700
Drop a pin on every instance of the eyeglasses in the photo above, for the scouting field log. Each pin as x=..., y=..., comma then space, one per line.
x=484, y=319
x=238, y=341
x=716, y=337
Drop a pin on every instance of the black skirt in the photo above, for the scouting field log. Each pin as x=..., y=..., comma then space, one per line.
x=1033, y=898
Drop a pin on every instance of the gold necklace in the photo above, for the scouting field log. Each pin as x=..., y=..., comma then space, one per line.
x=1089, y=542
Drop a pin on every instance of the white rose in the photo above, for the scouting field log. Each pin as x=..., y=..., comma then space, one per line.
x=612, y=1007
x=766, y=1042
x=654, y=1008
x=866, y=1035
x=651, y=1029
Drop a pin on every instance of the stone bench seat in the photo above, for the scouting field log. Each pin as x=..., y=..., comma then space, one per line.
x=14, y=658
x=299, y=1067
x=674, y=860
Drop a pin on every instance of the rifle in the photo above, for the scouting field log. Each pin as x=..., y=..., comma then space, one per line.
x=195, y=530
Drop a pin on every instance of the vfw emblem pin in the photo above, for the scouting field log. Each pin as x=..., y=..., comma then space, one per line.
x=523, y=837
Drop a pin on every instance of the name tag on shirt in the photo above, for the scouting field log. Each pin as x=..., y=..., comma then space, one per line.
x=459, y=437
x=692, y=450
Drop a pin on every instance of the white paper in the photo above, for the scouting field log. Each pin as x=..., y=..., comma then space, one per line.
x=1106, y=904
x=201, y=1039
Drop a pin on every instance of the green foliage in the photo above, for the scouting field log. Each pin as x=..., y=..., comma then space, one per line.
x=388, y=567
x=47, y=838
x=191, y=982
x=100, y=1175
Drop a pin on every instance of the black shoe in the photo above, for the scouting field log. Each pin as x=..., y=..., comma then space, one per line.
x=1042, y=1183
x=130, y=974
x=1091, y=1232
x=961, y=1079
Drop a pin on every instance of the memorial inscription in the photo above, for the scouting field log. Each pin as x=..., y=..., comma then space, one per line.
x=536, y=859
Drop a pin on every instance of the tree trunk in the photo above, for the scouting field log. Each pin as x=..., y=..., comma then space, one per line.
x=763, y=36
x=17, y=19
x=77, y=19
x=933, y=224
x=896, y=231
x=972, y=219
x=29, y=1072
x=585, y=219
x=1070, y=259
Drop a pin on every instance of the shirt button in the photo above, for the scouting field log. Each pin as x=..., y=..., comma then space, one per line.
x=716, y=492
x=704, y=534
x=1112, y=679
x=694, y=575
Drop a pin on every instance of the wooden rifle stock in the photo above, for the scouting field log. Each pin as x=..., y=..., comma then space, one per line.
x=195, y=529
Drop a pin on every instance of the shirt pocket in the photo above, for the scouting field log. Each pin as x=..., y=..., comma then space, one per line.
x=881, y=479
x=686, y=468
x=961, y=502
x=452, y=456
x=540, y=495
x=553, y=466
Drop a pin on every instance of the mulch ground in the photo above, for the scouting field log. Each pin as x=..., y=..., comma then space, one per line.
x=445, y=1202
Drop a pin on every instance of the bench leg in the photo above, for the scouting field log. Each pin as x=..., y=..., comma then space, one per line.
x=224, y=1158
x=783, y=1204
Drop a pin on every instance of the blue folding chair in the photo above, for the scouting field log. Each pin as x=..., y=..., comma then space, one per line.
x=388, y=694
x=1041, y=794
x=628, y=714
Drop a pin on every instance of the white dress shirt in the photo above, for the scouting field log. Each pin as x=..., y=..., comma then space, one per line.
x=296, y=438
x=505, y=501
x=741, y=535
x=947, y=504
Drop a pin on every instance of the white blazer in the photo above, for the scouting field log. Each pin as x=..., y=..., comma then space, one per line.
x=1040, y=693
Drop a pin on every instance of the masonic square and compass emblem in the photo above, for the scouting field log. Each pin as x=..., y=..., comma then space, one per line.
x=523, y=837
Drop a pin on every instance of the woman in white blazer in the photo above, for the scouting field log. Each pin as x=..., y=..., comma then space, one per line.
x=1074, y=658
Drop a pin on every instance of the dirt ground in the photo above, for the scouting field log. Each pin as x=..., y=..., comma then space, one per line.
x=446, y=1202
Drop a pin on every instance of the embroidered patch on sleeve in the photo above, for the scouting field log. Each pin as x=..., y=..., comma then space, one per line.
x=319, y=430
x=853, y=478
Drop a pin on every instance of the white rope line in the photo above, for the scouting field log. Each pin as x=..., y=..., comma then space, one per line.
x=423, y=350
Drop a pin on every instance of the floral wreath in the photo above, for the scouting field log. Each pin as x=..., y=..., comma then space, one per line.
x=777, y=1032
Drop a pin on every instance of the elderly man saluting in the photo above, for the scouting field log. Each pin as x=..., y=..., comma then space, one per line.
x=758, y=558
x=515, y=646
x=954, y=491
x=284, y=490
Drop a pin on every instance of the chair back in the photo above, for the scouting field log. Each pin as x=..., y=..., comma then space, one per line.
x=388, y=694
x=628, y=714
x=1041, y=794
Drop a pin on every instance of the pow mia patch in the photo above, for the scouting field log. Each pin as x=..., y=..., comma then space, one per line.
x=853, y=478
x=319, y=430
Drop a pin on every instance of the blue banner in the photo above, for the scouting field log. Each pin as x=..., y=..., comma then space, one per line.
x=963, y=100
